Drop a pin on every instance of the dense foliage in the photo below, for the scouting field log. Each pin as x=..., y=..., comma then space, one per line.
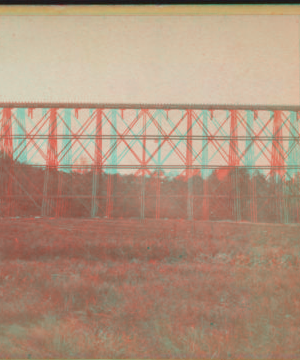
x=25, y=189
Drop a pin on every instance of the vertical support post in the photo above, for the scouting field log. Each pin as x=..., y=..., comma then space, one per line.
x=159, y=164
x=293, y=156
x=97, y=163
x=2, y=167
x=46, y=177
x=296, y=182
x=65, y=206
x=2, y=190
x=189, y=162
x=113, y=163
x=51, y=166
x=234, y=163
x=251, y=115
x=297, y=198
x=144, y=169
x=205, y=143
x=7, y=149
x=67, y=141
x=277, y=161
x=21, y=141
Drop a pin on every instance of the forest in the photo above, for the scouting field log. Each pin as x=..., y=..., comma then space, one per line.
x=227, y=194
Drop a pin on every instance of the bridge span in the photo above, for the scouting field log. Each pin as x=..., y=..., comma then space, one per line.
x=50, y=151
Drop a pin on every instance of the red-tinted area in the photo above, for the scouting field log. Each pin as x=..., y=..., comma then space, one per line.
x=157, y=289
x=194, y=264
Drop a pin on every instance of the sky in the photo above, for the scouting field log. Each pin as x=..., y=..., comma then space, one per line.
x=150, y=59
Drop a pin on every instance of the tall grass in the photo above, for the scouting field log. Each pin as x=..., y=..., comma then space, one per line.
x=96, y=289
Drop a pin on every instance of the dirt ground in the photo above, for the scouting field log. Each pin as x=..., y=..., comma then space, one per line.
x=79, y=288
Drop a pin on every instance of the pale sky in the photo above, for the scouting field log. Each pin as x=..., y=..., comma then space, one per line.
x=144, y=59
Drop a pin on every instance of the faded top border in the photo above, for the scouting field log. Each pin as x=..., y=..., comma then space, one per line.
x=151, y=10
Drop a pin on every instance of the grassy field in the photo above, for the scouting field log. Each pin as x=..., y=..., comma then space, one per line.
x=158, y=289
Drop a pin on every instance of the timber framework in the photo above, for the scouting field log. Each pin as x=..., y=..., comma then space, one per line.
x=118, y=160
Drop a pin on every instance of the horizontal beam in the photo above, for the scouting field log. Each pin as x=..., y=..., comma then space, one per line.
x=162, y=167
x=149, y=196
x=149, y=137
x=121, y=106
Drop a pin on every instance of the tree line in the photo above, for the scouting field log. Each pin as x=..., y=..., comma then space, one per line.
x=25, y=189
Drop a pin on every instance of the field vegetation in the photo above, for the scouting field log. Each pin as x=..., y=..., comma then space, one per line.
x=82, y=288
